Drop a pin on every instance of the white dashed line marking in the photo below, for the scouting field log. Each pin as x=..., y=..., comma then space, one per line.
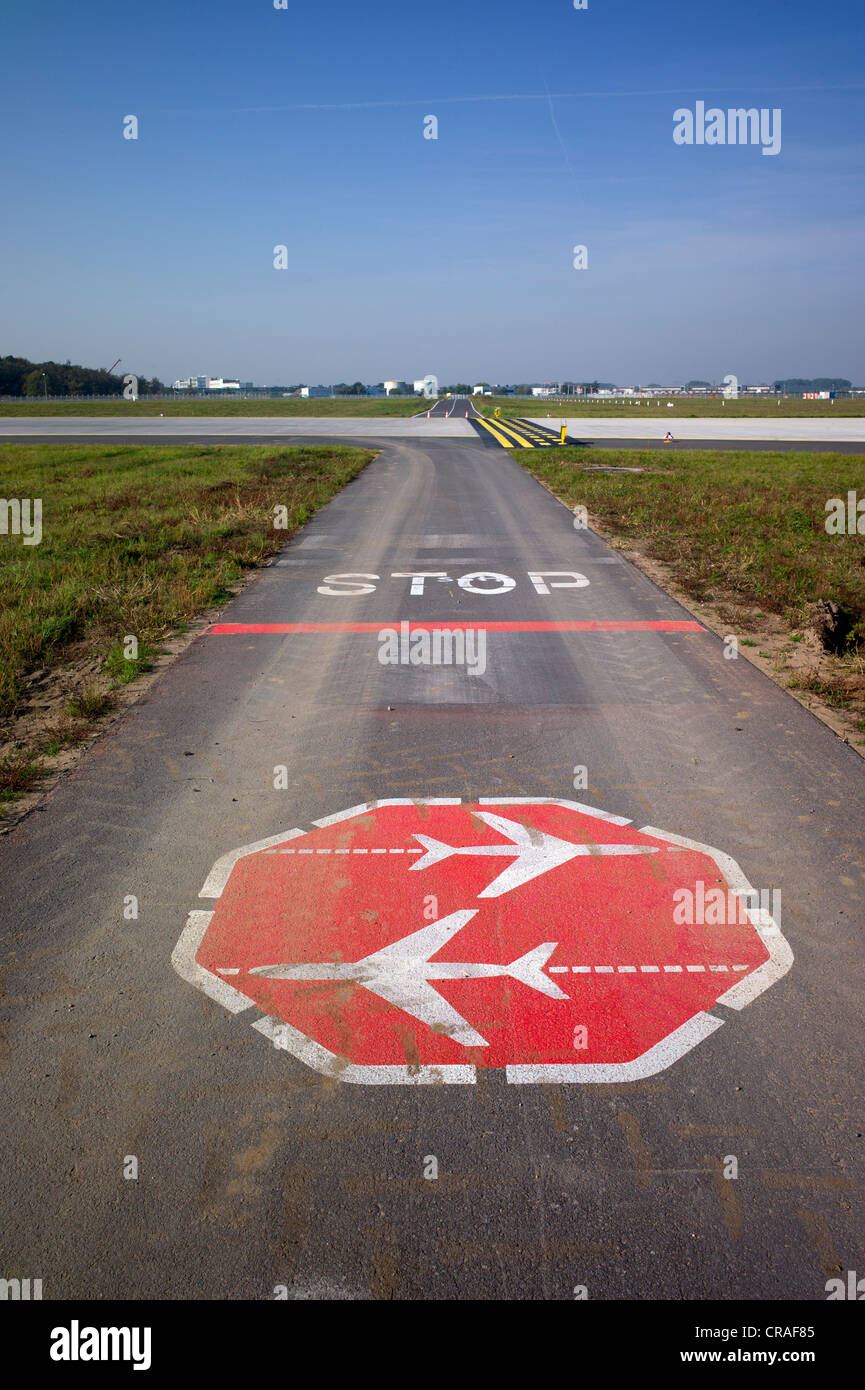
x=640, y=969
x=343, y=851
x=586, y=969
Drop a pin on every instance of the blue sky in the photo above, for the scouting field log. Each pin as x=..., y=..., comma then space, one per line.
x=304, y=127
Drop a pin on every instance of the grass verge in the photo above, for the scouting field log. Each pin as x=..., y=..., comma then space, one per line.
x=373, y=406
x=135, y=542
x=744, y=532
x=693, y=408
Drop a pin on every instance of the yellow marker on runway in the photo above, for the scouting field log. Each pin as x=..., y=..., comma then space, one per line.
x=505, y=443
x=520, y=434
x=564, y=434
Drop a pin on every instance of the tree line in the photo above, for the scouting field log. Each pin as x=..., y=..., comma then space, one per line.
x=794, y=384
x=20, y=377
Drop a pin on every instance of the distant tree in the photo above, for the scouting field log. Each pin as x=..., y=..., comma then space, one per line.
x=33, y=384
x=12, y=370
x=796, y=384
x=20, y=377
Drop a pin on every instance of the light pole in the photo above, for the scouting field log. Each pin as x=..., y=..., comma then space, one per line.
x=45, y=384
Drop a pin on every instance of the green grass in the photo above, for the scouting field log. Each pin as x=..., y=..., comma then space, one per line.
x=401, y=406
x=136, y=541
x=18, y=772
x=372, y=406
x=89, y=705
x=744, y=531
x=123, y=668
x=579, y=408
x=747, y=524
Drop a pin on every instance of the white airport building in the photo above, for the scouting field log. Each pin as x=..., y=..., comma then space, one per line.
x=205, y=383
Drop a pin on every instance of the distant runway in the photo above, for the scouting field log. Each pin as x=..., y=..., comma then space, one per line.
x=846, y=429
x=844, y=435
x=229, y=429
x=436, y=444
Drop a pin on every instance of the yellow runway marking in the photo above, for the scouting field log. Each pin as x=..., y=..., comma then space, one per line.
x=523, y=435
x=516, y=434
x=505, y=443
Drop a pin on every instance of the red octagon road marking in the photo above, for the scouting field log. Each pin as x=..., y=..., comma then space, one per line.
x=409, y=941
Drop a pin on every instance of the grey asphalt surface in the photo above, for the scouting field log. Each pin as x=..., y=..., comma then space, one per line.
x=457, y=406
x=451, y=419
x=374, y=441
x=256, y=1171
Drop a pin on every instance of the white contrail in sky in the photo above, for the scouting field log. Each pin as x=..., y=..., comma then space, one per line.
x=510, y=96
x=562, y=144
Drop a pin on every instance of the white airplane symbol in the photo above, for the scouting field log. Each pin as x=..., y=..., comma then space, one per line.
x=536, y=852
x=400, y=973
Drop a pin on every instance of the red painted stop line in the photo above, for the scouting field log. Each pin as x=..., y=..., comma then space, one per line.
x=413, y=941
x=589, y=625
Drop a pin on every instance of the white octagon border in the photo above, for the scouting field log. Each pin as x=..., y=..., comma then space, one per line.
x=656, y=1059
